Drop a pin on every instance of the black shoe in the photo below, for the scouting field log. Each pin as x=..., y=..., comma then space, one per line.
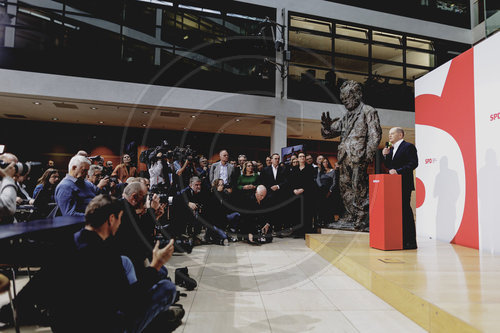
x=166, y=321
x=182, y=279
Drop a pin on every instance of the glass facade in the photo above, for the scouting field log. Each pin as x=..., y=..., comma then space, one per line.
x=386, y=62
x=492, y=15
x=451, y=12
x=184, y=44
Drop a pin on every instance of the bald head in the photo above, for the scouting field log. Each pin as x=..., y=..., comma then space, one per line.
x=260, y=192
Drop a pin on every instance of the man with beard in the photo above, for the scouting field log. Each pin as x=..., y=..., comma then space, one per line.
x=360, y=134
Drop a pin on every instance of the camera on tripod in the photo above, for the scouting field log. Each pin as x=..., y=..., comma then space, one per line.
x=22, y=169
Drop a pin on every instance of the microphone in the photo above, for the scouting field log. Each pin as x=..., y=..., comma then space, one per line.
x=387, y=145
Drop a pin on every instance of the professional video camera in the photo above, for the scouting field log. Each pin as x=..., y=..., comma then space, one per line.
x=185, y=154
x=97, y=158
x=149, y=156
x=22, y=169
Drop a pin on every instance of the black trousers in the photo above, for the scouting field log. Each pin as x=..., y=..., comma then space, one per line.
x=409, y=233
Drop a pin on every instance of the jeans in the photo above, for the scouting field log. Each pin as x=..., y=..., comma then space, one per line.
x=162, y=295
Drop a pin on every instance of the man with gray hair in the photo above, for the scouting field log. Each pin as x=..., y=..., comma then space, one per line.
x=95, y=176
x=360, y=134
x=8, y=192
x=73, y=192
x=187, y=208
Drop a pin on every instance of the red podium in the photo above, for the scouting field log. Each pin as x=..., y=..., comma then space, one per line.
x=386, y=216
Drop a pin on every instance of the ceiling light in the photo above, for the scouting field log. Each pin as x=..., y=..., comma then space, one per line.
x=185, y=128
x=186, y=37
x=93, y=108
x=145, y=112
x=55, y=118
x=37, y=103
x=144, y=125
x=237, y=120
x=193, y=116
x=101, y=122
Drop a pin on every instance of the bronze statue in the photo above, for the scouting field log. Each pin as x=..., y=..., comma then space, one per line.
x=360, y=134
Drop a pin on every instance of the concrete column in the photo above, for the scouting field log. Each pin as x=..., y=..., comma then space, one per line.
x=10, y=32
x=158, y=35
x=278, y=133
x=281, y=85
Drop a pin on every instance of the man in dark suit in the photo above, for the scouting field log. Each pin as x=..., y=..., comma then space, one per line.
x=401, y=158
x=274, y=179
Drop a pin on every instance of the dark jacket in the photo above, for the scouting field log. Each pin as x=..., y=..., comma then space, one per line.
x=267, y=178
x=404, y=162
x=90, y=292
x=134, y=238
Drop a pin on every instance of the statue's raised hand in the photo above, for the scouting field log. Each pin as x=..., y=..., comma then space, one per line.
x=326, y=120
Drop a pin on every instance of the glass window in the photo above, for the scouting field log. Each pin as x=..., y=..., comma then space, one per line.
x=350, y=47
x=310, y=41
x=310, y=58
x=385, y=37
x=350, y=31
x=352, y=65
x=310, y=24
x=342, y=76
x=419, y=43
x=141, y=17
x=387, y=70
x=420, y=58
x=303, y=73
x=415, y=73
x=387, y=53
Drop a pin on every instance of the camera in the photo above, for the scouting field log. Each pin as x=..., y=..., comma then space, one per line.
x=22, y=169
x=185, y=154
x=161, y=190
x=97, y=158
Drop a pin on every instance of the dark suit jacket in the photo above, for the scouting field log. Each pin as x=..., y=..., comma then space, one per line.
x=267, y=178
x=404, y=162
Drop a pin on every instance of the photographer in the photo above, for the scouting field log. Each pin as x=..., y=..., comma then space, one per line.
x=7, y=189
x=95, y=176
x=135, y=235
x=96, y=289
x=74, y=192
x=184, y=165
x=187, y=207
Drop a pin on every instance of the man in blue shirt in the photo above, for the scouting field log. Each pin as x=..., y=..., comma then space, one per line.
x=74, y=192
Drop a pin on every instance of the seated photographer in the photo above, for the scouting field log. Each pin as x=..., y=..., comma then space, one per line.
x=74, y=192
x=187, y=207
x=95, y=176
x=94, y=289
x=218, y=214
x=135, y=237
x=255, y=219
x=44, y=193
x=8, y=188
x=125, y=169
